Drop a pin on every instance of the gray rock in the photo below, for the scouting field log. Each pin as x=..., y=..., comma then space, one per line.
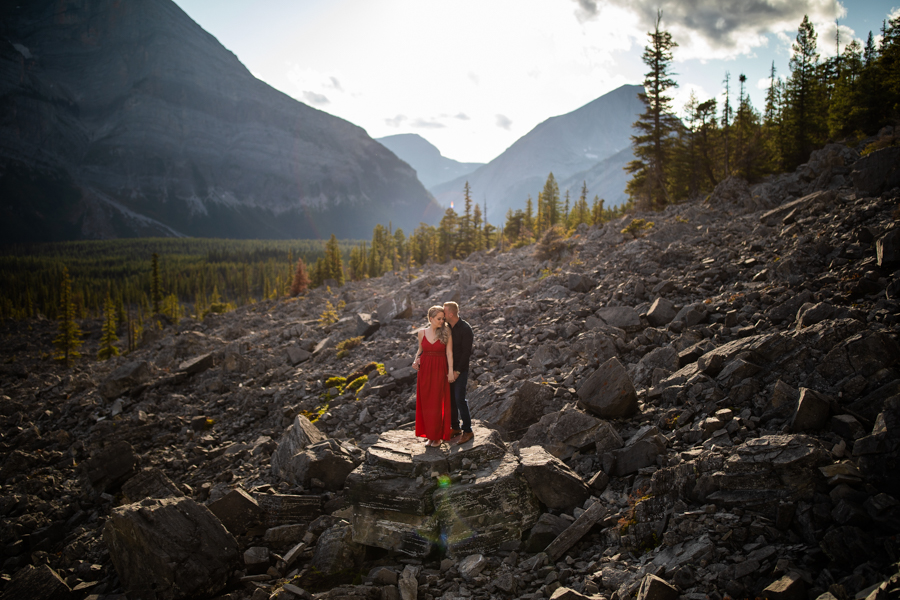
x=198, y=364
x=408, y=584
x=623, y=317
x=366, y=324
x=637, y=455
x=565, y=593
x=297, y=355
x=237, y=510
x=665, y=358
x=579, y=283
x=570, y=430
x=661, y=312
x=812, y=412
x=326, y=461
x=655, y=588
x=783, y=401
x=810, y=314
x=398, y=306
x=554, y=484
x=37, y=583
x=298, y=436
x=547, y=529
x=149, y=483
x=512, y=413
x=887, y=248
x=336, y=551
x=471, y=566
x=169, y=548
x=124, y=378
x=110, y=467
x=608, y=392
x=691, y=315
x=877, y=172
x=789, y=587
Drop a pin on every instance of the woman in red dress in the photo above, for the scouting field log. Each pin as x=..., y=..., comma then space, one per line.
x=434, y=361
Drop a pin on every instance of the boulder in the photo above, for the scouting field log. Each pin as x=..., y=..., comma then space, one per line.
x=570, y=430
x=608, y=392
x=547, y=529
x=237, y=510
x=366, y=324
x=298, y=436
x=554, y=483
x=692, y=314
x=661, y=312
x=198, y=364
x=403, y=500
x=655, y=588
x=297, y=355
x=812, y=412
x=789, y=587
x=877, y=172
x=169, y=548
x=111, y=466
x=887, y=249
x=512, y=413
x=149, y=483
x=639, y=451
x=398, y=306
x=623, y=317
x=37, y=583
x=664, y=357
x=124, y=378
x=579, y=283
x=336, y=553
x=326, y=461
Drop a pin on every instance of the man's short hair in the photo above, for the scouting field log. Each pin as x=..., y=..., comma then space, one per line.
x=453, y=306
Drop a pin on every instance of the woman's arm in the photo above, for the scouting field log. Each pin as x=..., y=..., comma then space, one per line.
x=419, y=334
x=450, y=376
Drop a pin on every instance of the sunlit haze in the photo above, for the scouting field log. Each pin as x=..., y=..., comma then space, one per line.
x=472, y=77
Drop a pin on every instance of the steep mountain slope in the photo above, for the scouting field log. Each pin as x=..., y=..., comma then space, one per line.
x=606, y=179
x=126, y=118
x=564, y=145
x=431, y=166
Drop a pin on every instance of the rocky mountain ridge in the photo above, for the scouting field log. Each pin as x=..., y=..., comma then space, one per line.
x=711, y=410
x=570, y=146
x=432, y=168
x=127, y=119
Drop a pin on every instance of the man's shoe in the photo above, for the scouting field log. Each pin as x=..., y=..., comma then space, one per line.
x=455, y=432
x=465, y=437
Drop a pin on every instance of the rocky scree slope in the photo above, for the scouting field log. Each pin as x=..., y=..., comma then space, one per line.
x=712, y=409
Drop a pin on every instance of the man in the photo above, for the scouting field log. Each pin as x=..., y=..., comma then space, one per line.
x=463, y=338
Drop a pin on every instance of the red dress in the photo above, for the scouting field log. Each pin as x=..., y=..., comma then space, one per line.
x=433, y=392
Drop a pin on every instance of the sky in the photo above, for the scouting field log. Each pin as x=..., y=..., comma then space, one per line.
x=473, y=76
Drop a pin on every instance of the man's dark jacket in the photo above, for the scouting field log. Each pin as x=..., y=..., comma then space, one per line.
x=463, y=337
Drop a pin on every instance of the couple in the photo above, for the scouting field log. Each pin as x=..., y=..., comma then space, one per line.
x=442, y=361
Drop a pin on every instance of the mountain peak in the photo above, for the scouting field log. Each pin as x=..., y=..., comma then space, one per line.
x=431, y=166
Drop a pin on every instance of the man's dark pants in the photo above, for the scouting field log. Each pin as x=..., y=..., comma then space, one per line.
x=459, y=406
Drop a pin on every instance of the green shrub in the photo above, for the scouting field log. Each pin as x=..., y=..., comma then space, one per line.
x=637, y=228
x=345, y=346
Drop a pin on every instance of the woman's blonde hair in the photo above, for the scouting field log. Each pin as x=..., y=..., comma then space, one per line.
x=444, y=331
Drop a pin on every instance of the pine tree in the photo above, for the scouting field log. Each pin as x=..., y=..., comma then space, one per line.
x=301, y=279
x=528, y=218
x=108, y=336
x=805, y=123
x=726, y=124
x=448, y=235
x=69, y=339
x=551, y=203
x=466, y=229
x=652, y=142
x=477, y=233
x=597, y=211
x=334, y=264
x=155, y=291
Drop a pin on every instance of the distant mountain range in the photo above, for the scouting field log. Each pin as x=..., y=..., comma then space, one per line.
x=125, y=119
x=592, y=144
x=430, y=165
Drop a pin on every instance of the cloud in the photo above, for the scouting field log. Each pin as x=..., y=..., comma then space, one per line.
x=473, y=78
x=395, y=121
x=314, y=98
x=335, y=84
x=461, y=116
x=726, y=27
x=504, y=122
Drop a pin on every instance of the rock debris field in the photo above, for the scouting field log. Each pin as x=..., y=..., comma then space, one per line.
x=711, y=410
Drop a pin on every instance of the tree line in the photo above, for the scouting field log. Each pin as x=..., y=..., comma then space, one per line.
x=843, y=98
